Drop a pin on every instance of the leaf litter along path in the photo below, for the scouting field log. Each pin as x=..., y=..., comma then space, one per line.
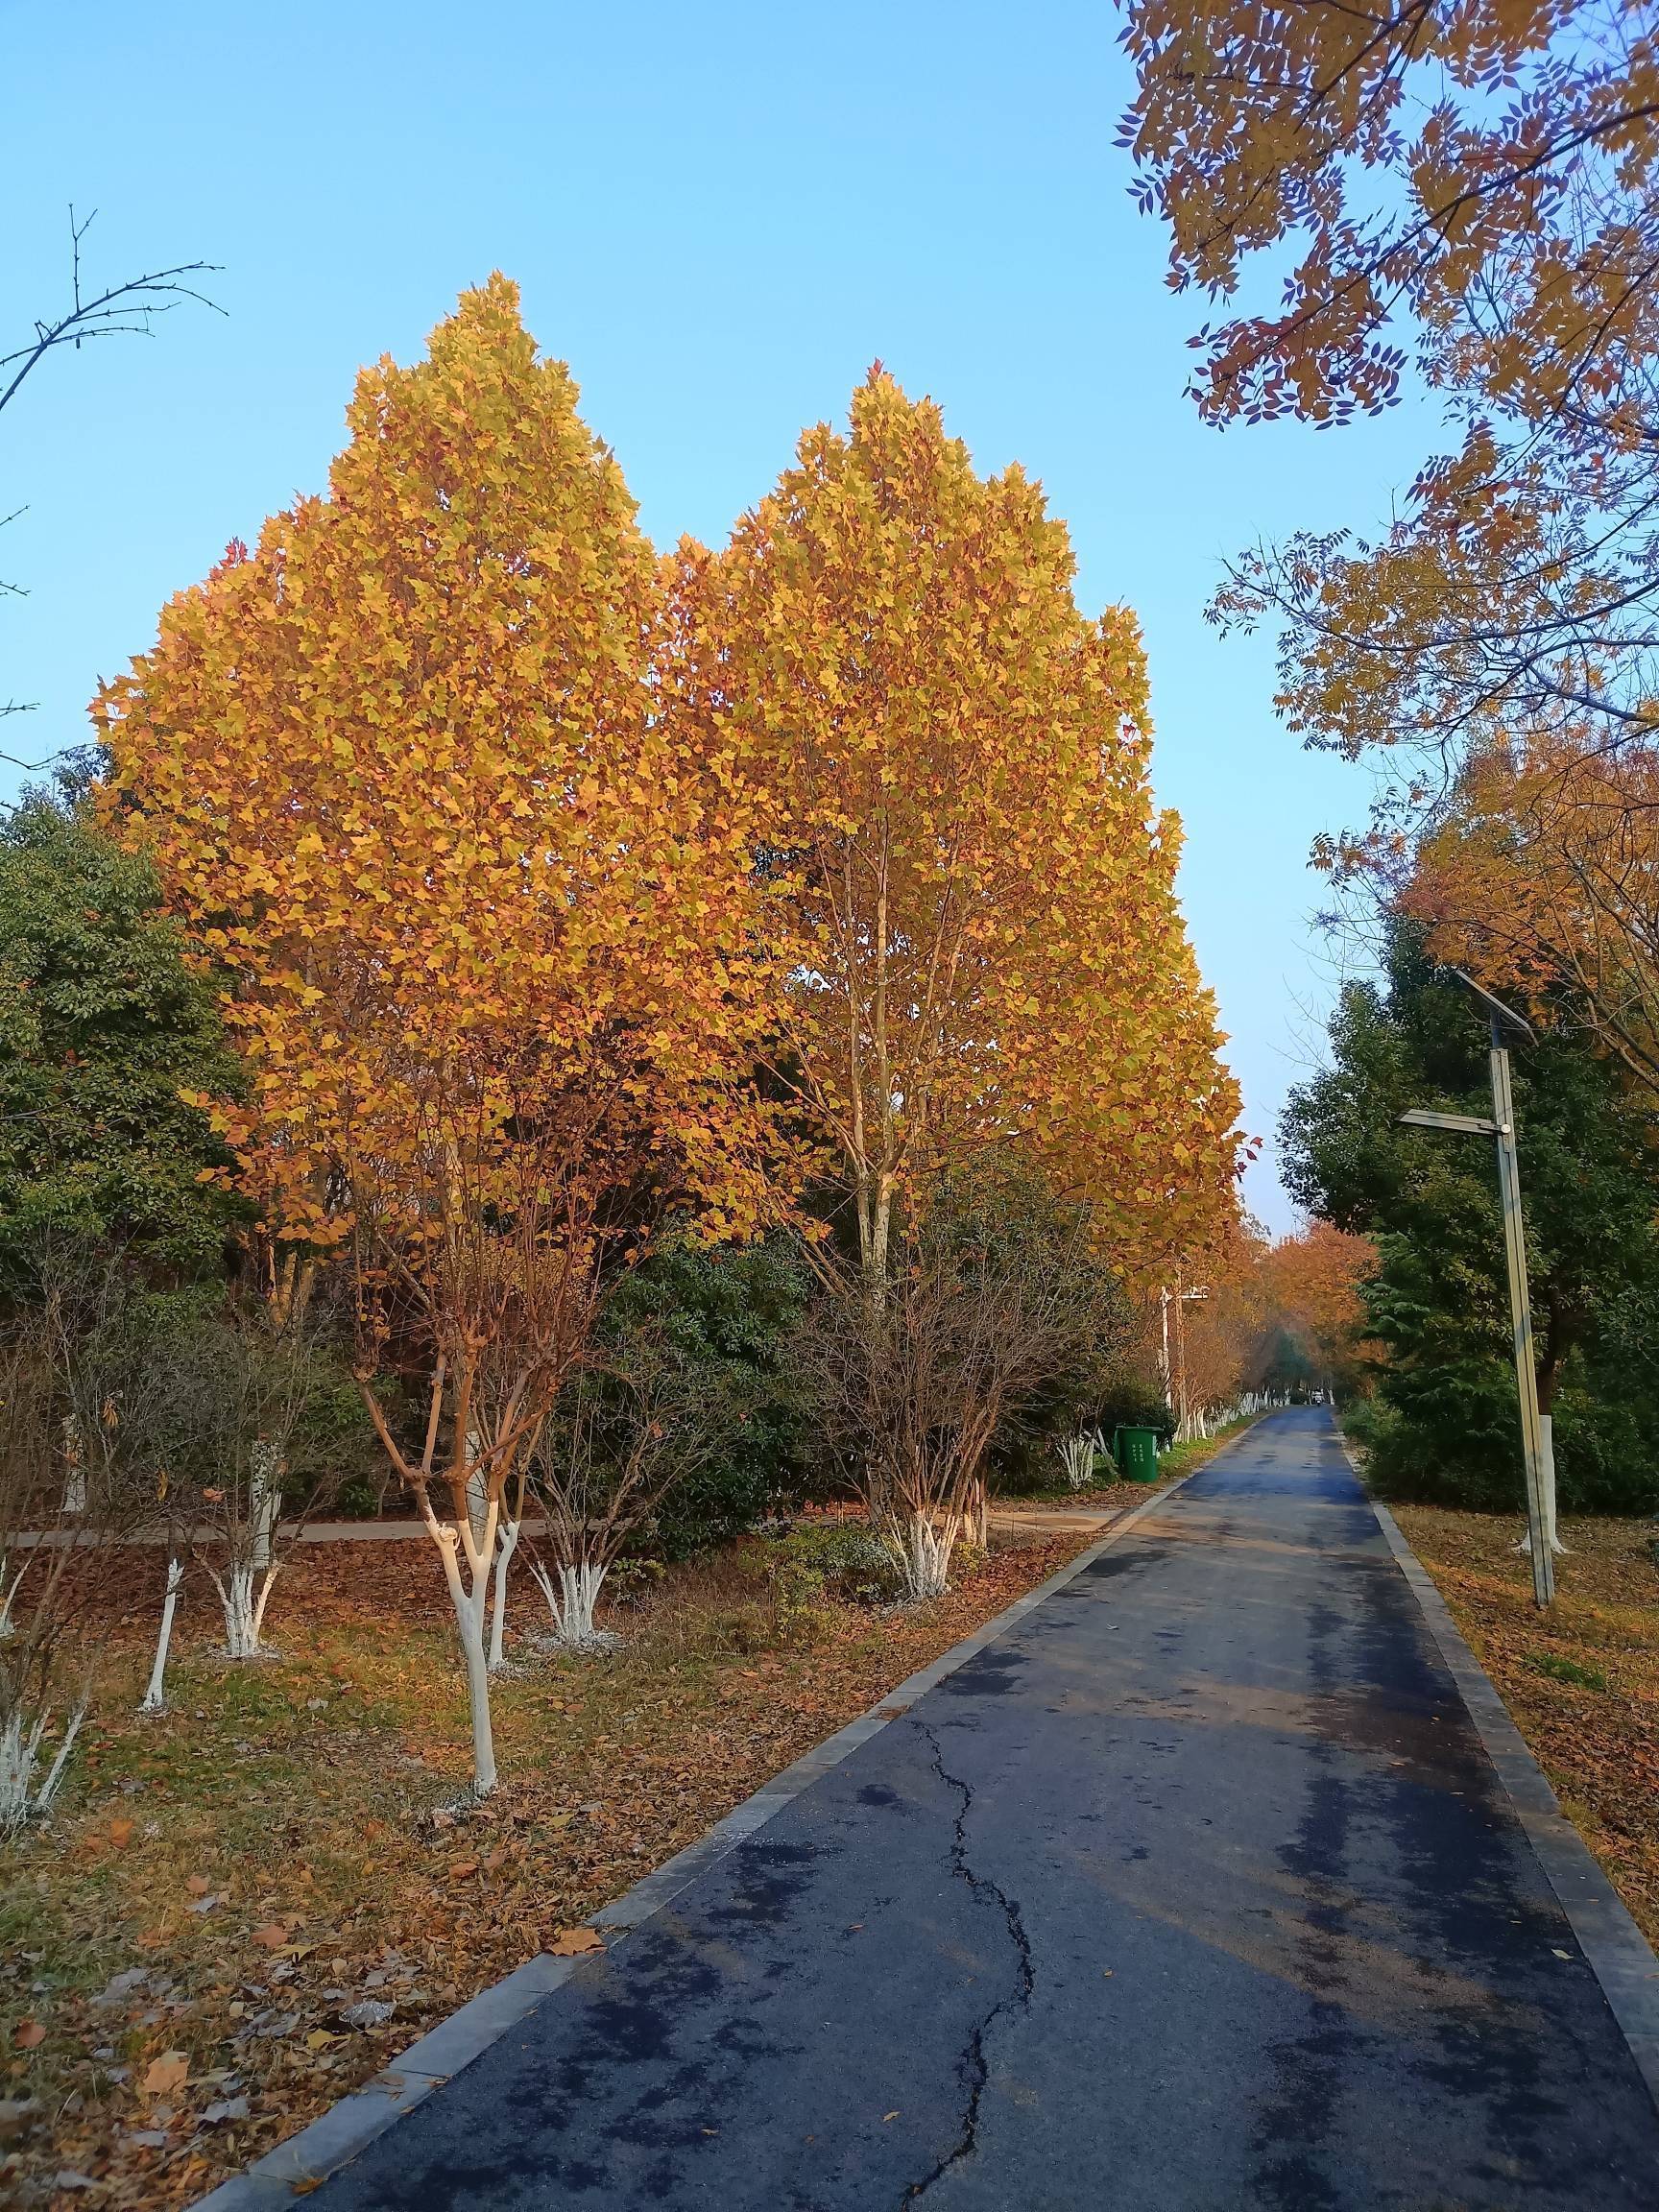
x=245, y=1908
x=1581, y=1682
x=1193, y=1888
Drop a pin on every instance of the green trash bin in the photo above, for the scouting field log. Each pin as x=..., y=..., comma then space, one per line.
x=1136, y=1450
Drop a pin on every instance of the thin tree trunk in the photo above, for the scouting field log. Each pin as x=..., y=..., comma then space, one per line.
x=1077, y=1457
x=259, y=1604
x=264, y=1496
x=156, y=1695
x=21, y=1799
x=469, y=1596
x=9, y=1595
x=504, y=1552
x=74, y=1467
x=478, y=1699
x=572, y=1604
x=923, y=1554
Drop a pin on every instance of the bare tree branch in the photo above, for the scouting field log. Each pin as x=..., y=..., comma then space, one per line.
x=121, y=310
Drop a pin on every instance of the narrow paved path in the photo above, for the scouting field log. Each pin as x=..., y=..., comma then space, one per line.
x=1196, y=1889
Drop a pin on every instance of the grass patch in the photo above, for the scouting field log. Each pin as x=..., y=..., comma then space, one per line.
x=262, y=1883
x=1580, y=1681
x=1563, y=1669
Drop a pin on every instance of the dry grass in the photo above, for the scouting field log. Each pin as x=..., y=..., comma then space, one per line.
x=182, y=1954
x=1581, y=1681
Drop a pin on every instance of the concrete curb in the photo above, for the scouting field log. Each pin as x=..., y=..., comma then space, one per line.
x=1616, y=1949
x=297, y=2167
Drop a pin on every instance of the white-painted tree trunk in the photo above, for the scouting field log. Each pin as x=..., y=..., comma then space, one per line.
x=243, y=1597
x=572, y=1603
x=1078, y=1456
x=245, y=1588
x=470, y=1595
x=154, y=1698
x=23, y=1799
x=504, y=1551
x=1546, y=1454
x=7, y=1595
x=264, y=1497
x=74, y=1467
x=477, y=1489
x=923, y=1554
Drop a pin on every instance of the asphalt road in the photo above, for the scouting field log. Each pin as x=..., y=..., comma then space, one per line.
x=1196, y=1889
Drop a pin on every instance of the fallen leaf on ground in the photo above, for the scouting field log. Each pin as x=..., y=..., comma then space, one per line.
x=571, y=1942
x=462, y=1868
x=165, y=2075
x=197, y=1884
x=273, y=1936
x=120, y=1834
x=28, y=2034
x=691, y=1757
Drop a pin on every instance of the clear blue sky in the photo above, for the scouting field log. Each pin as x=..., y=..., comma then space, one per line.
x=719, y=216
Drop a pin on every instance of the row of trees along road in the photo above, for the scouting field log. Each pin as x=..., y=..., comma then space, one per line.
x=1443, y=1422
x=1471, y=196
x=567, y=908
x=1459, y=203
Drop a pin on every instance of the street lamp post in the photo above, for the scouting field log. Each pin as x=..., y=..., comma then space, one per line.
x=1540, y=1518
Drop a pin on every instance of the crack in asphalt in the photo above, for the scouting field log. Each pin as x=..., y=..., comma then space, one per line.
x=972, y=2069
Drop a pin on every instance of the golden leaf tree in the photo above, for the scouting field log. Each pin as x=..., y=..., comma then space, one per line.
x=481, y=921
x=971, y=896
x=1476, y=186
x=1540, y=875
x=1313, y=1280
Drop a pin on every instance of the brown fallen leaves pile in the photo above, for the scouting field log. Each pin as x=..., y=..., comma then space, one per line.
x=251, y=1904
x=1581, y=1681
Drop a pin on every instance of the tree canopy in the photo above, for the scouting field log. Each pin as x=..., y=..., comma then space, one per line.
x=399, y=770
x=970, y=896
x=1468, y=196
x=1437, y=1304
x=104, y=1023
